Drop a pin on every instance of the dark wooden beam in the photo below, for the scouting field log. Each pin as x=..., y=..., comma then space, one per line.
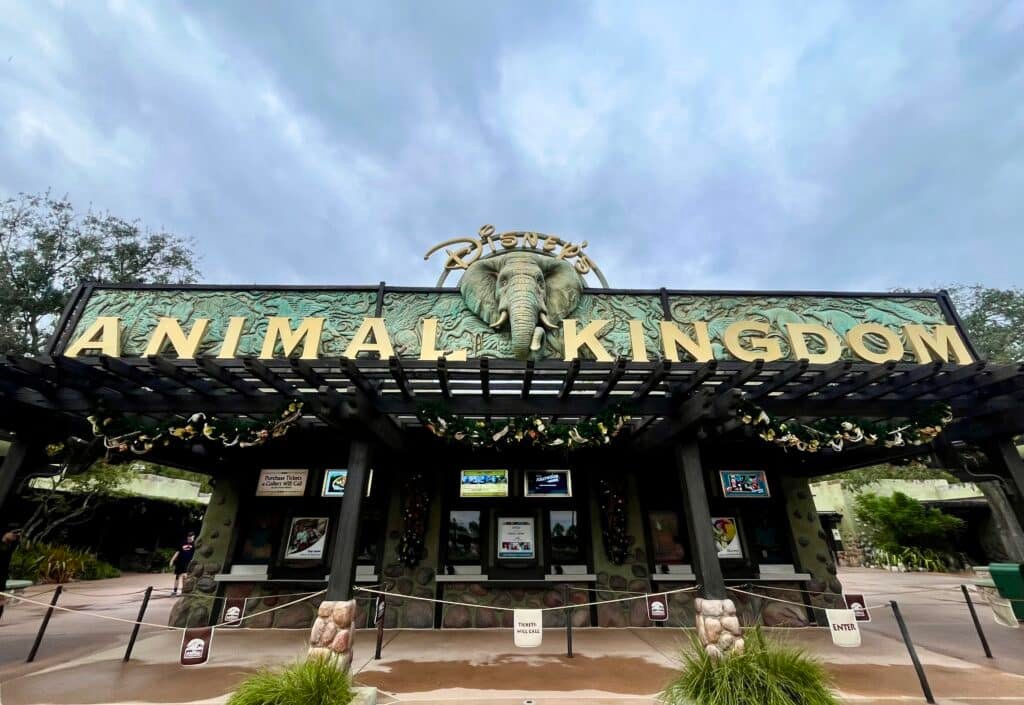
x=270, y=378
x=861, y=380
x=699, y=376
x=779, y=380
x=310, y=374
x=527, y=379
x=570, y=379
x=739, y=378
x=485, y=377
x=705, y=405
x=117, y=366
x=614, y=375
x=654, y=378
x=77, y=374
x=222, y=375
x=912, y=376
x=346, y=525
x=698, y=520
x=442, y=378
x=822, y=380
x=401, y=379
x=948, y=379
x=181, y=376
x=357, y=378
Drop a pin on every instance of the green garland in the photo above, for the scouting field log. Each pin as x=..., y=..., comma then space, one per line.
x=121, y=436
x=529, y=430
x=840, y=434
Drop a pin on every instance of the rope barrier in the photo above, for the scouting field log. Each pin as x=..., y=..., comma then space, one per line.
x=790, y=602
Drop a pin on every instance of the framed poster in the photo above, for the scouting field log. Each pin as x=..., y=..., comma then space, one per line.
x=306, y=539
x=547, y=483
x=334, y=483
x=282, y=483
x=727, y=537
x=744, y=483
x=483, y=483
x=516, y=538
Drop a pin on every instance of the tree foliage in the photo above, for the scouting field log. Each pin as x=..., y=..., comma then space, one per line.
x=994, y=319
x=899, y=521
x=855, y=480
x=47, y=249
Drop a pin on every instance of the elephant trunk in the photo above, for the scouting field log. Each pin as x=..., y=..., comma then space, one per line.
x=524, y=306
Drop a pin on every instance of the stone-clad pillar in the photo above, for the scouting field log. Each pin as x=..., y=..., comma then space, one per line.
x=333, y=632
x=718, y=627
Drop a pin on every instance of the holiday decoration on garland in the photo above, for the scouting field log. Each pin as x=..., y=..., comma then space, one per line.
x=838, y=434
x=119, y=435
x=612, y=501
x=530, y=430
x=415, y=507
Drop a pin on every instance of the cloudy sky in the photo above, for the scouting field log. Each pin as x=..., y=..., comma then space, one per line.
x=808, y=146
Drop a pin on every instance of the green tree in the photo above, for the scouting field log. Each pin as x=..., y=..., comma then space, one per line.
x=899, y=521
x=47, y=249
x=994, y=319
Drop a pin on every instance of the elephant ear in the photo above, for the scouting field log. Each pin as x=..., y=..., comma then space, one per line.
x=563, y=286
x=479, y=287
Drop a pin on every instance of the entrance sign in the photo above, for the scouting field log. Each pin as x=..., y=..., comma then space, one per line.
x=657, y=608
x=282, y=483
x=528, y=629
x=856, y=603
x=842, y=624
x=306, y=539
x=744, y=483
x=234, y=611
x=196, y=644
x=727, y=537
x=484, y=483
x=516, y=538
x=547, y=483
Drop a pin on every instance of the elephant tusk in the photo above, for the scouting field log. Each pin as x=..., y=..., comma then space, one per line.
x=501, y=319
x=538, y=336
x=547, y=321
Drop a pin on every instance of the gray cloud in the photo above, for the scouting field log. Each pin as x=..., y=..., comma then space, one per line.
x=839, y=147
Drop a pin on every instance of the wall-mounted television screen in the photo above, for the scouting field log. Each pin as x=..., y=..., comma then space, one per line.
x=547, y=483
x=483, y=483
x=744, y=483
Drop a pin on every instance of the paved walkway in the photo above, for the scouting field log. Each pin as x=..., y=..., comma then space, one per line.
x=482, y=666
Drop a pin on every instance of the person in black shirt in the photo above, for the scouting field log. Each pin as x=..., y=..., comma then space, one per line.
x=8, y=543
x=181, y=558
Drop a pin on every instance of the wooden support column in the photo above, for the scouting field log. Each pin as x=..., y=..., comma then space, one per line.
x=698, y=520
x=13, y=467
x=343, y=561
x=1004, y=456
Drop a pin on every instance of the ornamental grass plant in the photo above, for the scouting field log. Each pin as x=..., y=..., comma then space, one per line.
x=768, y=672
x=312, y=681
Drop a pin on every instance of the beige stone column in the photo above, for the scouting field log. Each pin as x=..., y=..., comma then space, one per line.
x=333, y=632
x=718, y=627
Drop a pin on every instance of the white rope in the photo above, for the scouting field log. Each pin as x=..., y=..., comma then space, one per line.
x=798, y=604
x=400, y=596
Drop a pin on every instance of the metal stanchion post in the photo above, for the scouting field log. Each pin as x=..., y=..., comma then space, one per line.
x=135, y=629
x=568, y=623
x=42, y=627
x=379, y=608
x=929, y=698
x=977, y=623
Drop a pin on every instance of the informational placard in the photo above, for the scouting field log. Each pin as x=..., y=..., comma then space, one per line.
x=528, y=628
x=842, y=624
x=1002, y=609
x=484, y=483
x=727, y=537
x=334, y=483
x=657, y=608
x=196, y=644
x=856, y=603
x=516, y=538
x=282, y=483
x=547, y=483
x=744, y=483
x=306, y=539
x=234, y=610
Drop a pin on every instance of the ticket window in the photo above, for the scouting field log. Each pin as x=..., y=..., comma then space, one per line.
x=667, y=542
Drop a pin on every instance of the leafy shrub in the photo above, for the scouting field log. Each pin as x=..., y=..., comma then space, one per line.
x=903, y=532
x=315, y=681
x=766, y=673
x=46, y=563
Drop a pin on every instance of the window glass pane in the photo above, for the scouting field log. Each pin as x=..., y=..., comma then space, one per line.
x=369, y=538
x=668, y=547
x=770, y=543
x=259, y=538
x=464, y=536
x=565, y=540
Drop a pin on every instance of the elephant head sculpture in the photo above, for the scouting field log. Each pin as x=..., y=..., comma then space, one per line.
x=527, y=292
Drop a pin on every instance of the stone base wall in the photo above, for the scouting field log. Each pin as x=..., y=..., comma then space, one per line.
x=460, y=617
x=262, y=597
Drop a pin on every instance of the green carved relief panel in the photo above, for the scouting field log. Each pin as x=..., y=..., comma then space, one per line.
x=140, y=309
x=838, y=314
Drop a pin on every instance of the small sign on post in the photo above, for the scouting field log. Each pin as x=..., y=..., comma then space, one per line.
x=529, y=629
x=856, y=603
x=234, y=611
x=657, y=607
x=196, y=643
x=842, y=624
